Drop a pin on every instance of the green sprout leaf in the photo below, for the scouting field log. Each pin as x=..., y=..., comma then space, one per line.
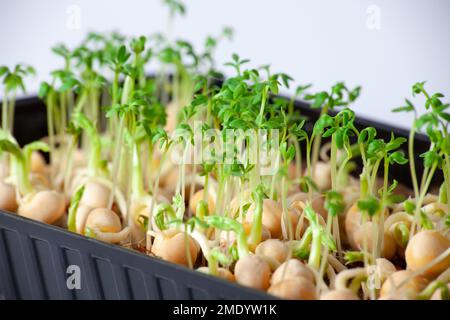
x=13, y=148
x=395, y=143
x=367, y=135
x=3, y=70
x=431, y=158
x=318, y=99
x=322, y=123
x=328, y=241
x=307, y=183
x=175, y=7
x=418, y=87
x=44, y=89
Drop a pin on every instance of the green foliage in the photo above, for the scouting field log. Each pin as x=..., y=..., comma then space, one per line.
x=339, y=96
x=371, y=206
x=13, y=78
x=175, y=7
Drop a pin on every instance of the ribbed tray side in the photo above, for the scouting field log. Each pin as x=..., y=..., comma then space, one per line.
x=34, y=262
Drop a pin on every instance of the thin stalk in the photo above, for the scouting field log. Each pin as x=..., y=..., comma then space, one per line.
x=116, y=161
x=342, y=171
x=70, y=102
x=208, y=111
x=380, y=235
x=176, y=90
x=69, y=164
x=137, y=181
x=183, y=173
x=287, y=220
x=365, y=242
x=11, y=107
x=149, y=170
x=308, y=165
x=187, y=247
x=324, y=261
x=274, y=177
x=374, y=175
x=411, y=156
x=337, y=235
x=220, y=188
x=23, y=180
x=263, y=105
x=81, y=101
x=192, y=186
x=447, y=171
x=318, y=142
x=63, y=106
x=424, y=175
x=93, y=96
x=298, y=158
x=51, y=133
x=112, y=121
x=206, y=189
x=419, y=201
x=333, y=162
x=256, y=232
x=212, y=264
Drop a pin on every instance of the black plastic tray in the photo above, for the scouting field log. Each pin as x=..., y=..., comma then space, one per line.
x=34, y=257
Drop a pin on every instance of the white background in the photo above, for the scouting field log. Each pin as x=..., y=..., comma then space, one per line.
x=319, y=42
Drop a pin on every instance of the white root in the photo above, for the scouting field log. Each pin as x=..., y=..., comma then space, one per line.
x=436, y=207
